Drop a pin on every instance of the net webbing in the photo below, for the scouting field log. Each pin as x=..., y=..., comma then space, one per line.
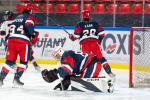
x=141, y=57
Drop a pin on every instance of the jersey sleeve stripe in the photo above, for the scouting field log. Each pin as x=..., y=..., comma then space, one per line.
x=29, y=22
x=68, y=68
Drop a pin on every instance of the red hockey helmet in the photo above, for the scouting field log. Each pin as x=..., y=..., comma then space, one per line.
x=28, y=7
x=85, y=14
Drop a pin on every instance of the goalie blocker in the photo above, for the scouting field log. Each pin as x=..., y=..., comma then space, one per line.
x=100, y=84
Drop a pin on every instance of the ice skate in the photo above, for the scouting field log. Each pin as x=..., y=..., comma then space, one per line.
x=36, y=66
x=1, y=81
x=17, y=82
x=111, y=86
x=112, y=77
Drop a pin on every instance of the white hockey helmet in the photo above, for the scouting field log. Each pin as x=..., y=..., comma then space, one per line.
x=58, y=52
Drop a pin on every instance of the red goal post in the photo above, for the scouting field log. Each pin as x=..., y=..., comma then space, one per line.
x=139, y=67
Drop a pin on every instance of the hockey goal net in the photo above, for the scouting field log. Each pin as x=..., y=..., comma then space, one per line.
x=139, y=57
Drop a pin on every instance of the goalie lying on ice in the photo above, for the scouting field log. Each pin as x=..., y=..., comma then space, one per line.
x=77, y=72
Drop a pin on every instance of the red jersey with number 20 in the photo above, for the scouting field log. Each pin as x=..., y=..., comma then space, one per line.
x=88, y=31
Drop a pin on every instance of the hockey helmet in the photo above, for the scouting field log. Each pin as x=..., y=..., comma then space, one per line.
x=28, y=7
x=85, y=14
x=58, y=52
x=8, y=15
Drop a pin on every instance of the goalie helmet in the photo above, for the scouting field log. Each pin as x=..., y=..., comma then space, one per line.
x=86, y=15
x=58, y=52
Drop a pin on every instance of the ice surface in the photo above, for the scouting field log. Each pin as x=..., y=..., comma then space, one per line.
x=36, y=88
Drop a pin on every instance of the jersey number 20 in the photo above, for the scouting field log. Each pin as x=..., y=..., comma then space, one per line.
x=89, y=32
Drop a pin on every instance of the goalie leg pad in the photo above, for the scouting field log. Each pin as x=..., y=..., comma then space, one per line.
x=101, y=84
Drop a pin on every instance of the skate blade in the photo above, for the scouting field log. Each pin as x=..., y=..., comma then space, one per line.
x=16, y=86
x=1, y=85
x=38, y=69
x=111, y=86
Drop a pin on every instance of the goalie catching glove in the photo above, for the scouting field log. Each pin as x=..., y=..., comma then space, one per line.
x=49, y=76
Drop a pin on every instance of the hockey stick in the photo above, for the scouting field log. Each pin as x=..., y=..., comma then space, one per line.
x=62, y=28
x=59, y=25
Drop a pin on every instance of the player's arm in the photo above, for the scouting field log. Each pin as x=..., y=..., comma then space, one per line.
x=62, y=72
x=2, y=29
x=52, y=75
x=100, y=33
x=67, y=66
x=76, y=35
x=29, y=25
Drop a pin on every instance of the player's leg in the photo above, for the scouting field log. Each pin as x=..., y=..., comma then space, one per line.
x=105, y=65
x=92, y=70
x=94, y=49
x=32, y=59
x=11, y=57
x=4, y=72
x=107, y=68
x=23, y=51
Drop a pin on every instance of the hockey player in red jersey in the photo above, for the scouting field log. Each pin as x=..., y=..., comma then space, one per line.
x=4, y=32
x=22, y=32
x=90, y=35
x=72, y=64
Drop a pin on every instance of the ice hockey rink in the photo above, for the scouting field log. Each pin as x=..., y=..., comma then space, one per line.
x=36, y=88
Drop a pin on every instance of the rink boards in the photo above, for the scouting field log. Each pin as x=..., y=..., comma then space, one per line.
x=115, y=45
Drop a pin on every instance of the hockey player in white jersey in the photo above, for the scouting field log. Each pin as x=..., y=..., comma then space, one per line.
x=4, y=28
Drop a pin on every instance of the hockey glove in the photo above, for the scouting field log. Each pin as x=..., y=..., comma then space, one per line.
x=72, y=37
x=49, y=76
x=34, y=38
x=64, y=84
x=2, y=33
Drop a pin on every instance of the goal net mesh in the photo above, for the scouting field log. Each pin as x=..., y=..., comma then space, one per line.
x=141, y=57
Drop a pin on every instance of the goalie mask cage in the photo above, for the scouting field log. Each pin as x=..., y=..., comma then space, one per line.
x=139, y=70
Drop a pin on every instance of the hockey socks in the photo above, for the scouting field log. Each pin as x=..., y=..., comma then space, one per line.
x=5, y=70
x=18, y=74
x=107, y=68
